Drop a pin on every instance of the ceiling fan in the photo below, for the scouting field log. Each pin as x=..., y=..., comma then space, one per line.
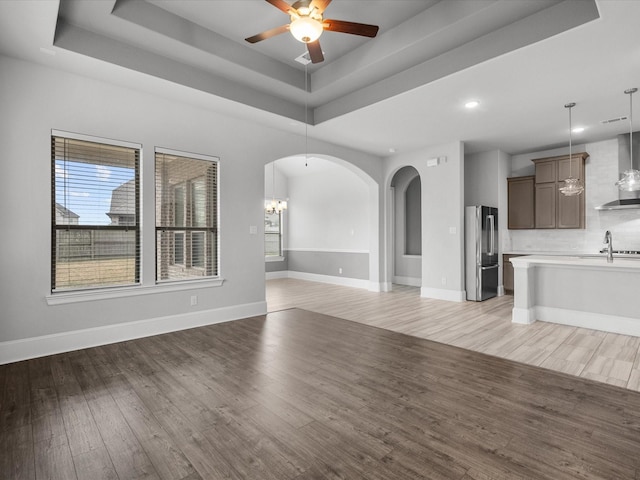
x=307, y=24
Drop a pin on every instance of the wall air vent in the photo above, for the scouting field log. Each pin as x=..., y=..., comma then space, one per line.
x=614, y=120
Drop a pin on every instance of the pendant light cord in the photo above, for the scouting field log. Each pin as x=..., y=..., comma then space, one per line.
x=570, y=106
x=306, y=122
x=570, y=142
x=631, y=91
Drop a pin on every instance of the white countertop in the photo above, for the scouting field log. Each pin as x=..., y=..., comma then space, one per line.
x=540, y=252
x=579, y=261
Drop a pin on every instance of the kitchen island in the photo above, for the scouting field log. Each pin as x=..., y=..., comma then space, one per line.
x=583, y=291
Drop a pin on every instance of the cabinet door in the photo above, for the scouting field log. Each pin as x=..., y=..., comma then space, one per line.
x=570, y=211
x=507, y=273
x=546, y=171
x=546, y=195
x=565, y=172
x=521, y=204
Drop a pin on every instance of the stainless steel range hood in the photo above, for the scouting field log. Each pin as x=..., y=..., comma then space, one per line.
x=625, y=200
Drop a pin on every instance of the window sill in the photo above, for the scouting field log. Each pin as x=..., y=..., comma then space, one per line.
x=62, y=298
x=273, y=259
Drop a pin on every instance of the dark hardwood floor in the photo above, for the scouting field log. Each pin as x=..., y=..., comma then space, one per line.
x=301, y=395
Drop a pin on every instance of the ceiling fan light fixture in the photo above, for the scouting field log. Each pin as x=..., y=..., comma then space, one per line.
x=306, y=29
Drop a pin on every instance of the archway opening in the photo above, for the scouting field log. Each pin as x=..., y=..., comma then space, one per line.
x=407, y=227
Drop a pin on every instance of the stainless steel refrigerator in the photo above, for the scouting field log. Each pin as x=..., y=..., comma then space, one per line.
x=481, y=248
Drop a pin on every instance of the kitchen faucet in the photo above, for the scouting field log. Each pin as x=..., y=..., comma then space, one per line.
x=608, y=242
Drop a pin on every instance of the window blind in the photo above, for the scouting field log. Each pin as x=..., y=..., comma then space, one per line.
x=94, y=215
x=186, y=217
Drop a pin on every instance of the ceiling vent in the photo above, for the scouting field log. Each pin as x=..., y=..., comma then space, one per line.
x=304, y=59
x=614, y=120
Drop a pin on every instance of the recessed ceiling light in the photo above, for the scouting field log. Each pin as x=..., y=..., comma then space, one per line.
x=578, y=130
x=472, y=104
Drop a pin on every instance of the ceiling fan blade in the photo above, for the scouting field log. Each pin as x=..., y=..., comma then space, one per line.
x=351, y=27
x=320, y=5
x=315, y=52
x=268, y=34
x=282, y=5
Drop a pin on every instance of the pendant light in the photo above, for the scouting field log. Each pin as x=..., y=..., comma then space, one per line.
x=572, y=186
x=630, y=182
x=274, y=206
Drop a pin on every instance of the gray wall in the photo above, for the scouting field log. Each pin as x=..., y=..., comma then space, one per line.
x=442, y=217
x=277, y=266
x=343, y=264
x=413, y=218
x=36, y=99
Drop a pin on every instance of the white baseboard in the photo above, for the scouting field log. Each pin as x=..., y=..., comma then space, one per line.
x=24, y=349
x=278, y=274
x=594, y=321
x=441, y=294
x=379, y=287
x=411, y=281
x=524, y=316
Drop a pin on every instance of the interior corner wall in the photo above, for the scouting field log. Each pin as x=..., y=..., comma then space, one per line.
x=485, y=183
x=276, y=183
x=481, y=179
x=36, y=99
x=442, y=217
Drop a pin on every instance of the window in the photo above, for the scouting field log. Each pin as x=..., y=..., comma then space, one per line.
x=186, y=216
x=95, y=233
x=273, y=234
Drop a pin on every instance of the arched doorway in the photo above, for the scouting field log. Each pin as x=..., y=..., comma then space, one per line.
x=331, y=225
x=406, y=224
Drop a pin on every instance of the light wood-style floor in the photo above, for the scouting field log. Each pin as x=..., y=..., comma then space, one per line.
x=483, y=327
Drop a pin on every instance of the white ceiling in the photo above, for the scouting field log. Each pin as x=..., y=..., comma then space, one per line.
x=522, y=59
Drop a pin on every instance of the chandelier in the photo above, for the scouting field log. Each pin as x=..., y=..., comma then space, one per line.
x=274, y=206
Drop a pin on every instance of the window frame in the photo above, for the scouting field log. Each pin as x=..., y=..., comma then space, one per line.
x=189, y=218
x=147, y=284
x=280, y=255
x=55, y=227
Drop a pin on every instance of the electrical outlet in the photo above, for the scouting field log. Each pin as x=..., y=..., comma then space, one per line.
x=194, y=300
x=444, y=280
x=340, y=270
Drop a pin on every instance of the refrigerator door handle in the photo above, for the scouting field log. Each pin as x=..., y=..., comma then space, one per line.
x=492, y=234
x=490, y=267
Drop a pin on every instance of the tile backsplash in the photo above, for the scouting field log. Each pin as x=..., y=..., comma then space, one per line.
x=601, y=171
